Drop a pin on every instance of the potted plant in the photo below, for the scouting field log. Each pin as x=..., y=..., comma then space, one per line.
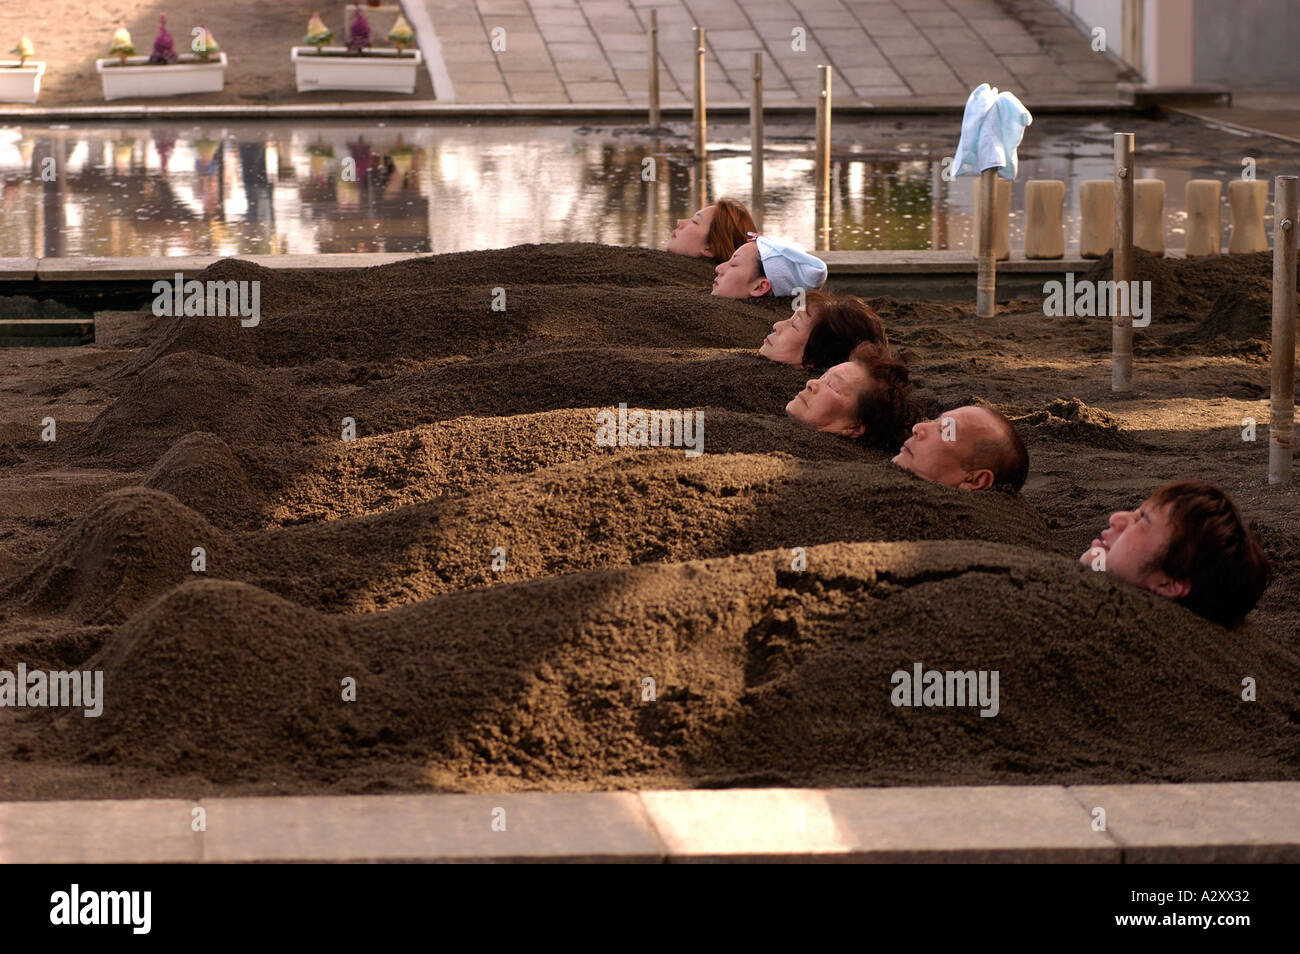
x=20, y=82
x=163, y=72
x=358, y=66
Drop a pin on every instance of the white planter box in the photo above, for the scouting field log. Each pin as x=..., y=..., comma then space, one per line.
x=20, y=84
x=142, y=78
x=377, y=71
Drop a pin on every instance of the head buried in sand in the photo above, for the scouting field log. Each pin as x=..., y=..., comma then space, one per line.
x=771, y=267
x=967, y=448
x=715, y=231
x=824, y=332
x=867, y=398
x=1187, y=542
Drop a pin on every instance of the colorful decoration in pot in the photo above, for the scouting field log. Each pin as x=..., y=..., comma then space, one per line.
x=359, y=33
x=204, y=44
x=23, y=50
x=122, y=46
x=164, y=48
x=401, y=34
x=318, y=34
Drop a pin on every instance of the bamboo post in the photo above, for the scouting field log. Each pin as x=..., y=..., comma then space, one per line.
x=1121, y=327
x=699, y=92
x=988, y=251
x=822, y=163
x=654, y=69
x=756, y=143
x=1281, y=417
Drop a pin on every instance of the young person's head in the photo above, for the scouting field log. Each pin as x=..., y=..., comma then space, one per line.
x=824, y=332
x=867, y=397
x=741, y=276
x=1187, y=542
x=967, y=448
x=715, y=231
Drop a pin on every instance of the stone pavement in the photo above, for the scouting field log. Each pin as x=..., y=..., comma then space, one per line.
x=596, y=51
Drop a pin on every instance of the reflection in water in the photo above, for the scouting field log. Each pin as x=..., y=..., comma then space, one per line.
x=272, y=188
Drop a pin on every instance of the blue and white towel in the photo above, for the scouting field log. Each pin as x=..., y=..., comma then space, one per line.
x=991, y=130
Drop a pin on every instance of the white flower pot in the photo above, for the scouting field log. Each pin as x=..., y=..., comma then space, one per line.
x=20, y=84
x=142, y=78
x=377, y=71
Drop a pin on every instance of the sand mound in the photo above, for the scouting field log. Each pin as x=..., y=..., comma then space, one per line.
x=414, y=324
x=762, y=675
x=1222, y=294
x=618, y=510
x=465, y=454
x=1074, y=422
x=568, y=263
x=1240, y=321
x=201, y=472
x=186, y=392
x=132, y=544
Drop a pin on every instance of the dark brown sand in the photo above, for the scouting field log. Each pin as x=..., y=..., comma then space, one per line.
x=372, y=559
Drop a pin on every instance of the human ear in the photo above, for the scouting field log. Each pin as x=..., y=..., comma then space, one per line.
x=979, y=480
x=1172, y=589
x=854, y=430
x=761, y=288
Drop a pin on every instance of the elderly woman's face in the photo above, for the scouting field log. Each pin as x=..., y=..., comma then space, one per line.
x=830, y=403
x=691, y=237
x=789, y=336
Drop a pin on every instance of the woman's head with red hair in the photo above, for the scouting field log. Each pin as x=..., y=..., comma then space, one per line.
x=715, y=231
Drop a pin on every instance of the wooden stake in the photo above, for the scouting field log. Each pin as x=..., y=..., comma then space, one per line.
x=654, y=69
x=756, y=143
x=699, y=92
x=1281, y=415
x=986, y=280
x=1121, y=326
x=822, y=163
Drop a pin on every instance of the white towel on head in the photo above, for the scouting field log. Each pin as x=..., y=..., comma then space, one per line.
x=991, y=129
x=787, y=266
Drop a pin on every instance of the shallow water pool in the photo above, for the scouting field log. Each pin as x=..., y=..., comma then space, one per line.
x=265, y=187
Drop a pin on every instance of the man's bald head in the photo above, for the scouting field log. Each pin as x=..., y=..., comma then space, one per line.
x=967, y=448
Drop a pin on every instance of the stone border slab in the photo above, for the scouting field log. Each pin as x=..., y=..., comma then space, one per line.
x=987, y=824
x=601, y=826
x=18, y=269
x=1234, y=822
x=1186, y=823
x=98, y=832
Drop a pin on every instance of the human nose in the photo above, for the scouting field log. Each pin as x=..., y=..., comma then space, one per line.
x=1120, y=519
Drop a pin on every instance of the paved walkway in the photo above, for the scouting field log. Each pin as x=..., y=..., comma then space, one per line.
x=596, y=51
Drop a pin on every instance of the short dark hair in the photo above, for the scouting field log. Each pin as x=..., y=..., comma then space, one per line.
x=1211, y=548
x=842, y=322
x=1005, y=455
x=887, y=410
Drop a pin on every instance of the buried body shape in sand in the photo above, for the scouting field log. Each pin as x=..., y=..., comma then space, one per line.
x=328, y=558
